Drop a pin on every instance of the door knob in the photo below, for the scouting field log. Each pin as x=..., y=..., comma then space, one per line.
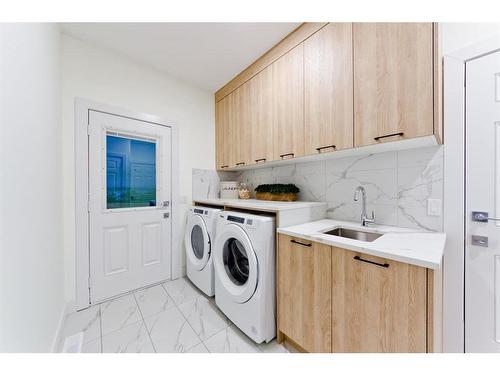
x=482, y=217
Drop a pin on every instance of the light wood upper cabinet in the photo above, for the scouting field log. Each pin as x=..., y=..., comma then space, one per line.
x=261, y=120
x=304, y=296
x=242, y=134
x=233, y=132
x=393, y=81
x=340, y=84
x=288, y=104
x=378, y=305
x=328, y=89
x=232, y=138
x=222, y=140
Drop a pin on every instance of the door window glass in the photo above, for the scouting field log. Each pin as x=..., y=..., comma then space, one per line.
x=235, y=261
x=130, y=172
x=197, y=242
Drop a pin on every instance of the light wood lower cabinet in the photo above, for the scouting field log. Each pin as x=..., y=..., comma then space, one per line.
x=335, y=300
x=304, y=297
x=378, y=305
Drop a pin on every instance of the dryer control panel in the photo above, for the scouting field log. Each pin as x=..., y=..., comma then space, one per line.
x=236, y=219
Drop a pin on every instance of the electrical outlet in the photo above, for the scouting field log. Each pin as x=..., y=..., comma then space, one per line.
x=434, y=207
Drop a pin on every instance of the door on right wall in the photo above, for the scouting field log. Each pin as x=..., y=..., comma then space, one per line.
x=393, y=81
x=482, y=250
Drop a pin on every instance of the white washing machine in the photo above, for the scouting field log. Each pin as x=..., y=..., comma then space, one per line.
x=244, y=254
x=198, y=241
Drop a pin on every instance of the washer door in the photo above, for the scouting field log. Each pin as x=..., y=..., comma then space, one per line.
x=236, y=263
x=197, y=242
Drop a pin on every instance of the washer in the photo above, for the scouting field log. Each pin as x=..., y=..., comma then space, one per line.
x=244, y=254
x=198, y=241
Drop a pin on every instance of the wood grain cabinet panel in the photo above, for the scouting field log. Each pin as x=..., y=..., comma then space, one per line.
x=242, y=135
x=328, y=89
x=393, y=81
x=233, y=137
x=304, y=293
x=234, y=128
x=261, y=120
x=378, y=305
x=222, y=140
x=288, y=104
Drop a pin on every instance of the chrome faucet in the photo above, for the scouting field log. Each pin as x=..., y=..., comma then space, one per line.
x=364, y=219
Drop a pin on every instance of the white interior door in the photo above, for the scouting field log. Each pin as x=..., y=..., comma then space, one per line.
x=482, y=258
x=129, y=204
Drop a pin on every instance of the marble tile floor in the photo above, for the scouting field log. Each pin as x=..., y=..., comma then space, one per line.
x=174, y=317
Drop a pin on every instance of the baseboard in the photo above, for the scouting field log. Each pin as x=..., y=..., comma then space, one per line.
x=67, y=308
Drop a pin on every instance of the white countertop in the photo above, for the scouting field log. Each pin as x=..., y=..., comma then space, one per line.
x=255, y=204
x=415, y=247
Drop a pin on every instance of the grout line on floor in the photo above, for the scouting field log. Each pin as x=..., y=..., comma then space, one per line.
x=144, y=323
x=100, y=328
x=185, y=318
x=228, y=321
x=176, y=305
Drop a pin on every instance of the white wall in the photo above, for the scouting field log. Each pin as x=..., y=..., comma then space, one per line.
x=455, y=36
x=98, y=75
x=31, y=264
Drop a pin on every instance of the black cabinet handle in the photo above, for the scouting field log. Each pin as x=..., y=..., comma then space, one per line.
x=388, y=135
x=301, y=243
x=224, y=166
x=241, y=163
x=385, y=265
x=289, y=154
x=323, y=147
x=261, y=159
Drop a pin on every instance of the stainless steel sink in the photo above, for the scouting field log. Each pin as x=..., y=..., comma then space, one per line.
x=354, y=234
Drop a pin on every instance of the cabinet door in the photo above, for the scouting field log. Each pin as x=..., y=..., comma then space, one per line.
x=378, y=305
x=304, y=293
x=328, y=89
x=393, y=81
x=261, y=122
x=221, y=133
x=232, y=148
x=288, y=104
x=242, y=135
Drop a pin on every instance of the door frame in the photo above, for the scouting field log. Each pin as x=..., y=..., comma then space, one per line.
x=455, y=215
x=82, y=227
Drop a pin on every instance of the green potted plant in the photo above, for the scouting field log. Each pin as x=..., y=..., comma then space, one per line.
x=277, y=192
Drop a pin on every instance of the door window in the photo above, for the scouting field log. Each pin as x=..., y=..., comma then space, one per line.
x=130, y=172
x=197, y=242
x=235, y=260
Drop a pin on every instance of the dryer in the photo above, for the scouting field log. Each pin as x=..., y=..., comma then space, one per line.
x=244, y=263
x=198, y=242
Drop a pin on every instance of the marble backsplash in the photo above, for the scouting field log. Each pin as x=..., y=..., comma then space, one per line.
x=398, y=184
x=205, y=182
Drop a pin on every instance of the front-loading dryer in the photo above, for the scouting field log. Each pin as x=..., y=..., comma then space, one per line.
x=198, y=241
x=244, y=254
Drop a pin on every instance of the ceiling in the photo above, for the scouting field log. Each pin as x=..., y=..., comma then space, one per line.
x=206, y=55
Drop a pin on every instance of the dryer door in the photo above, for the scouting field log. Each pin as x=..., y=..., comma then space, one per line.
x=236, y=263
x=197, y=242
